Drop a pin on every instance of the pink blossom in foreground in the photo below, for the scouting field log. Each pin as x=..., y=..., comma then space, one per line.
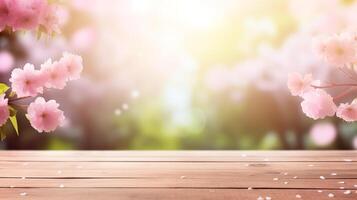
x=6, y=61
x=337, y=50
x=323, y=133
x=45, y=116
x=298, y=85
x=73, y=64
x=347, y=112
x=4, y=110
x=55, y=74
x=27, y=81
x=318, y=104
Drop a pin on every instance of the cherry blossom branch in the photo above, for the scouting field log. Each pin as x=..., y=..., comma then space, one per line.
x=344, y=93
x=347, y=74
x=20, y=106
x=340, y=51
x=335, y=85
x=19, y=99
x=68, y=67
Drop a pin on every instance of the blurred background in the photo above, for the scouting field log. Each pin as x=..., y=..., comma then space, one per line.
x=185, y=74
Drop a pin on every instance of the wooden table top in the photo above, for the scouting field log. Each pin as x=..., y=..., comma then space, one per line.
x=188, y=175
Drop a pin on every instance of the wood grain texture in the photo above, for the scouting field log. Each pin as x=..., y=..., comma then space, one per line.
x=166, y=194
x=178, y=174
x=178, y=156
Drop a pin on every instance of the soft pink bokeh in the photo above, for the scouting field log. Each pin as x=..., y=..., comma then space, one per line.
x=323, y=133
x=6, y=61
x=354, y=142
x=83, y=38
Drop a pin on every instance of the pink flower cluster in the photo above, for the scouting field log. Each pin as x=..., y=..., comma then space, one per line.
x=29, y=82
x=317, y=103
x=338, y=50
x=29, y=15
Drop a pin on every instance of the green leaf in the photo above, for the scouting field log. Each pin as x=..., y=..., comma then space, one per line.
x=14, y=124
x=3, y=88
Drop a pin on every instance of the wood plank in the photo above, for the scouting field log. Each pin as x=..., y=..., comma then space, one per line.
x=207, y=183
x=167, y=194
x=177, y=174
x=179, y=156
x=308, y=170
x=165, y=174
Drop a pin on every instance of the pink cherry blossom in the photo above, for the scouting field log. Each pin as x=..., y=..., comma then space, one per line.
x=45, y=116
x=27, y=81
x=29, y=15
x=50, y=19
x=73, y=64
x=25, y=14
x=318, y=104
x=347, y=112
x=55, y=74
x=337, y=50
x=323, y=133
x=298, y=85
x=4, y=110
x=6, y=61
x=26, y=19
x=4, y=14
